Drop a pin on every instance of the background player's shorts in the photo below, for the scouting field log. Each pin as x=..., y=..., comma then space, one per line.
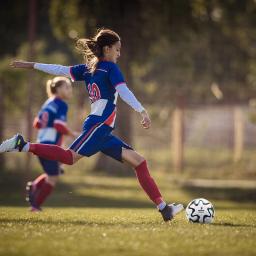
x=96, y=138
x=52, y=168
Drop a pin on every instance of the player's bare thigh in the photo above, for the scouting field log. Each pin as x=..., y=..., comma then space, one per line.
x=53, y=179
x=132, y=157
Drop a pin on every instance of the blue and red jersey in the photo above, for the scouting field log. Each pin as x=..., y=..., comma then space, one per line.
x=51, y=121
x=101, y=86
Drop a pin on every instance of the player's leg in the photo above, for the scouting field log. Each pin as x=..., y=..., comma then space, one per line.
x=47, y=151
x=42, y=187
x=139, y=164
x=148, y=184
x=117, y=149
x=88, y=143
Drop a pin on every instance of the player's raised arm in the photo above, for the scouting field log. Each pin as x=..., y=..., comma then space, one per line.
x=53, y=69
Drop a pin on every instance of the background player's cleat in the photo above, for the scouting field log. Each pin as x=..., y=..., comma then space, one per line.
x=170, y=210
x=30, y=197
x=16, y=143
x=29, y=192
x=35, y=209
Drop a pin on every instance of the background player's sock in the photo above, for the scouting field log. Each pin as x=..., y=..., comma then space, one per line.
x=148, y=184
x=42, y=193
x=39, y=181
x=52, y=152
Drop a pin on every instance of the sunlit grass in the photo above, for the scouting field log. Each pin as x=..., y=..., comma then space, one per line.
x=102, y=215
x=97, y=231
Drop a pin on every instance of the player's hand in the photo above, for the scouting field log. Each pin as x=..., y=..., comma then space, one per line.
x=145, y=122
x=22, y=64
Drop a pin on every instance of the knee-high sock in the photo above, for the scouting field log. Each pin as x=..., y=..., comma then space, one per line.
x=40, y=194
x=39, y=181
x=148, y=183
x=52, y=152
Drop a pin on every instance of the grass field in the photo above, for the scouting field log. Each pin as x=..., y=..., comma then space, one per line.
x=101, y=215
x=115, y=231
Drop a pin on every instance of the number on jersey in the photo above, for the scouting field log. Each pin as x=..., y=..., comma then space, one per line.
x=94, y=92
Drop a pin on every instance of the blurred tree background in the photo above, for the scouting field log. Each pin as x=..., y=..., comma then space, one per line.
x=175, y=53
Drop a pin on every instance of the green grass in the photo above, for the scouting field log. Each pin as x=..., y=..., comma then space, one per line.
x=100, y=215
x=115, y=231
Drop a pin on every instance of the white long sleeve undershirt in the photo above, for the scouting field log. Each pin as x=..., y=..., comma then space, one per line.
x=53, y=69
x=128, y=97
x=59, y=70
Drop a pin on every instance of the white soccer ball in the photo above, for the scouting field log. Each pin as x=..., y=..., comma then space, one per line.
x=200, y=210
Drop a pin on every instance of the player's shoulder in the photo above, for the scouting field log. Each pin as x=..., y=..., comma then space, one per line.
x=107, y=66
x=50, y=106
x=80, y=65
x=79, y=68
x=60, y=103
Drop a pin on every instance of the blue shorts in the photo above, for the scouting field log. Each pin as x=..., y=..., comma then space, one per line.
x=98, y=138
x=52, y=168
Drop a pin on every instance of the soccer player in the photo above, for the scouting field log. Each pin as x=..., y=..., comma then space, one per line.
x=104, y=82
x=51, y=125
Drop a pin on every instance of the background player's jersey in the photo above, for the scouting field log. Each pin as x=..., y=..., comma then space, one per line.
x=52, y=113
x=101, y=89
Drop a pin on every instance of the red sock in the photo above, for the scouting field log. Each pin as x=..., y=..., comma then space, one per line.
x=39, y=181
x=42, y=193
x=52, y=152
x=147, y=183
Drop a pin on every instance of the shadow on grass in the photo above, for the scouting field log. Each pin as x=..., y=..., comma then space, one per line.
x=12, y=193
x=233, y=194
x=233, y=225
x=75, y=200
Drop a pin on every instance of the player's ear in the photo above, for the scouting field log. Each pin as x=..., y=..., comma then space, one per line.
x=106, y=49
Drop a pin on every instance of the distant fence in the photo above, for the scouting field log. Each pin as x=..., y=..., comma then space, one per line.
x=212, y=127
x=174, y=132
x=205, y=127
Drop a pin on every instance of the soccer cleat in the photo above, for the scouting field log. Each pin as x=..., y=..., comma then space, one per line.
x=16, y=143
x=35, y=209
x=170, y=210
x=29, y=192
x=30, y=197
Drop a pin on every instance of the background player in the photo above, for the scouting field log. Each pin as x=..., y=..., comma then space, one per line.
x=51, y=124
x=104, y=81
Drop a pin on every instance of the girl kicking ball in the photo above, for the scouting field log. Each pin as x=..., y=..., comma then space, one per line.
x=51, y=125
x=104, y=82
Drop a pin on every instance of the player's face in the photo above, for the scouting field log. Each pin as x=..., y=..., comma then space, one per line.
x=65, y=91
x=113, y=52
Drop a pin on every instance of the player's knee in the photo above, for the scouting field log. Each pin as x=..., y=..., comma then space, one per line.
x=141, y=160
x=75, y=157
x=138, y=160
x=132, y=157
x=52, y=179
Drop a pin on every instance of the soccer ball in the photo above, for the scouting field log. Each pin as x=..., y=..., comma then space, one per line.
x=200, y=210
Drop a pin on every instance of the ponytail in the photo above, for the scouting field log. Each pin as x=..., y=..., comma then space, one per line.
x=53, y=84
x=92, y=49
